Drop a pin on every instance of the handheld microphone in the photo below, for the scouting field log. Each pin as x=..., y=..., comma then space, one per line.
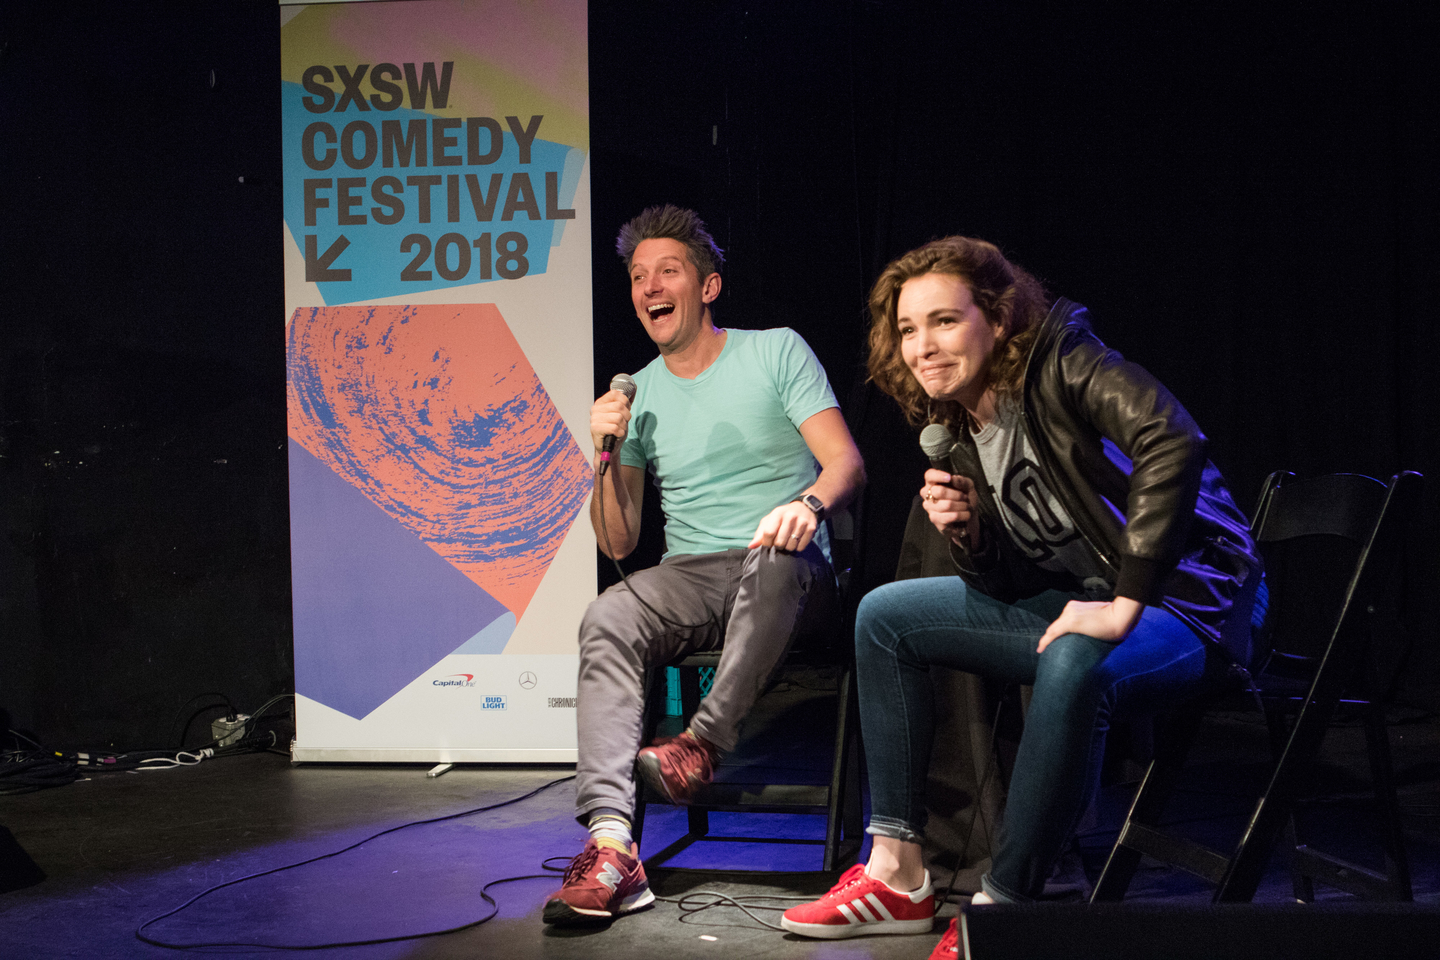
x=936, y=440
x=626, y=385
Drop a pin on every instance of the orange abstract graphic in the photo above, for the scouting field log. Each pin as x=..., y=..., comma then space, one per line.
x=435, y=414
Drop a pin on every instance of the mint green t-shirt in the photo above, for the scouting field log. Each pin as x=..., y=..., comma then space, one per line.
x=725, y=448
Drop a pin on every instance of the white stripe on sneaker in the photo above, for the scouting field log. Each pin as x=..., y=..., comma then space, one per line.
x=848, y=914
x=858, y=906
x=879, y=907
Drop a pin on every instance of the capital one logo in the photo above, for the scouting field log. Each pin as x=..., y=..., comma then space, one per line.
x=455, y=680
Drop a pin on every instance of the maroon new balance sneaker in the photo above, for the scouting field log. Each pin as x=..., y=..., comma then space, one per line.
x=600, y=884
x=859, y=904
x=678, y=766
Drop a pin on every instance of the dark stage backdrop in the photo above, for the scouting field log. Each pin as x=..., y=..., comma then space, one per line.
x=1245, y=200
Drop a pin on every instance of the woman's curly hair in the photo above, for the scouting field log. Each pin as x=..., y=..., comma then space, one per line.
x=1005, y=292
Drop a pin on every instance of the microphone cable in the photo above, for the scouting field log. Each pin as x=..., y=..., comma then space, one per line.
x=691, y=904
x=484, y=891
x=711, y=620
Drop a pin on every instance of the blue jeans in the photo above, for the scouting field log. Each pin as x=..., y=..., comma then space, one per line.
x=1080, y=684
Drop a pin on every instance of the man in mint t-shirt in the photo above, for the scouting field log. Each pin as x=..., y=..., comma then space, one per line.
x=747, y=448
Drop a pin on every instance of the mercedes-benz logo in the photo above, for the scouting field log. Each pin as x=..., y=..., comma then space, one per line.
x=527, y=679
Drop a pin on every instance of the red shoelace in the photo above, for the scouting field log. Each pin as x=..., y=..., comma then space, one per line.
x=689, y=754
x=582, y=863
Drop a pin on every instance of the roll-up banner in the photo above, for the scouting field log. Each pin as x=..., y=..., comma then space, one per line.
x=437, y=311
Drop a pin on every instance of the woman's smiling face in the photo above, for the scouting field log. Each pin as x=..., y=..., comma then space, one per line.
x=945, y=338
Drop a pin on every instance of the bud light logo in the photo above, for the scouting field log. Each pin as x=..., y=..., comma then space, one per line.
x=493, y=703
x=455, y=680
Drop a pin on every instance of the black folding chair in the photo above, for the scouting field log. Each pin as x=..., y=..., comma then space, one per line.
x=1330, y=544
x=838, y=800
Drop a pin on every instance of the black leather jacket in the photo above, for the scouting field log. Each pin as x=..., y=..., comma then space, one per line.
x=1152, y=508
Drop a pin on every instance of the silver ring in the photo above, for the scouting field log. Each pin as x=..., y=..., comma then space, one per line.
x=795, y=537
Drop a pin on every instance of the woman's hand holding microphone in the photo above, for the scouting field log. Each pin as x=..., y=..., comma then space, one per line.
x=953, y=506
x=950, y=500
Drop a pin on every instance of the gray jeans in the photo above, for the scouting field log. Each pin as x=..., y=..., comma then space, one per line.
x=748, y=603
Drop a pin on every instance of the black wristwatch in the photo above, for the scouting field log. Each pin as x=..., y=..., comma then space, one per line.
x=813, y=502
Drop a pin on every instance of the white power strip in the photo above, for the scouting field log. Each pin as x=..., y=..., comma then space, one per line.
x=228, y=731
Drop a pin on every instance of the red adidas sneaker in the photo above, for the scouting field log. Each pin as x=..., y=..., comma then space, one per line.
x=600, y=884
x=949, y=946
x=858, y=905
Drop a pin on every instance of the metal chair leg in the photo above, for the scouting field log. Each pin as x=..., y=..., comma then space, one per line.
x=1382, y=772
x=1151, y=797
x=1257, y=842
x=838, y=817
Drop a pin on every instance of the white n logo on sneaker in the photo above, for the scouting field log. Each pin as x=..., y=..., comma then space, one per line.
x=609, y=876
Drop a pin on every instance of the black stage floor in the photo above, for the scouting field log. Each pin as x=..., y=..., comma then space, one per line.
x=119, y=849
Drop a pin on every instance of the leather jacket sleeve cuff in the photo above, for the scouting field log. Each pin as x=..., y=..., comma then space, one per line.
x=975, y=562
x=1141, y=579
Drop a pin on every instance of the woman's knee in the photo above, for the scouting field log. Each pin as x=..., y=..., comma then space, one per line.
x=890, y=602
x=874, y=622
x=1073, y=666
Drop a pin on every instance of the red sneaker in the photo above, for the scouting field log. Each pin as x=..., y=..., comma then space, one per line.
x=860, y=904
x=949, y=945
x=600, y=884
x=677, y=767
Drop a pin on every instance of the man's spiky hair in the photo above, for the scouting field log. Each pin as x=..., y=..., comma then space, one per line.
x=672, y=223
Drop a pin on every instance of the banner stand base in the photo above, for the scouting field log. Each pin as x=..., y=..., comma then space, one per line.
x=433, y=755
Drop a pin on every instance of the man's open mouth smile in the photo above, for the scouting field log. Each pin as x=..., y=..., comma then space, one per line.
x=658, y=310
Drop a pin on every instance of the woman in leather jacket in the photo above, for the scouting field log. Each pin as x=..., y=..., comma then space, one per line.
x=1098, y=556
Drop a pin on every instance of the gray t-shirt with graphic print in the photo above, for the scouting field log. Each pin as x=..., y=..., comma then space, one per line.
x=1032, y=514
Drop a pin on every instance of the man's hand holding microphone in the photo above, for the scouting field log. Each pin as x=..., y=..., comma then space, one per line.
x=610, y=418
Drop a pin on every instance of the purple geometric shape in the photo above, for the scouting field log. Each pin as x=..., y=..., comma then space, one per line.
x=492, y=639
x=374, y=606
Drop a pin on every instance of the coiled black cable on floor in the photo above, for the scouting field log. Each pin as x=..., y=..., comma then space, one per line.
x=698, y=900
x=26, y=766
x=484, y=891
